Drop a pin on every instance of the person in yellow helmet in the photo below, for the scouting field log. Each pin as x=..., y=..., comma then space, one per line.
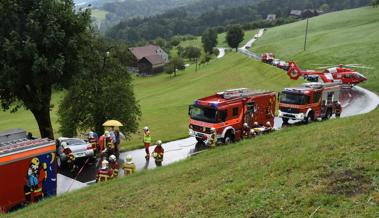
x=129, y=167
x=104, y=173
x=146, y=141
x=158, y=153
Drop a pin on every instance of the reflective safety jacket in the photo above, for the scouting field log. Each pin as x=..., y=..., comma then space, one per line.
x=104, y=175
x=147, y=137
x=129, y=168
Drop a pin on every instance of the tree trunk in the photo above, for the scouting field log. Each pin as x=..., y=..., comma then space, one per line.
x=42, y=117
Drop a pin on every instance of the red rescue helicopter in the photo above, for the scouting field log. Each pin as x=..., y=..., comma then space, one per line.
x=341, y=74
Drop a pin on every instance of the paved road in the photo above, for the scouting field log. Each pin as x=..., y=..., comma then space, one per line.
x=221, y=52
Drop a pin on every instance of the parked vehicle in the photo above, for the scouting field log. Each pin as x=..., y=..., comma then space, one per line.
x=79, y=148
x=27, y=169
x=275, y=62
x=227, y=111
x=310, y=102
x=267, y=57
x=283, y=65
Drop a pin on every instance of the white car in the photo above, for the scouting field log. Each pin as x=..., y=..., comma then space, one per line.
x=79, y=147
x=275, y=62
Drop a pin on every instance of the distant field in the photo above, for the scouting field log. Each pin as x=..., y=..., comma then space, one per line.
x=350, y=36
x=99, y=14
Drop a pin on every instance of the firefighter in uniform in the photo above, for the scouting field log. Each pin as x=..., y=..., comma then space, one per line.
x=158, y=153
x=146, y=141
x=104, y=173
x=213, y=138
x=257, y=128
x=92, y=139
x=129, y=167
x=106, y=145
x=268, y=127
x=113, y=164
x=247, y=132
x=70, y=158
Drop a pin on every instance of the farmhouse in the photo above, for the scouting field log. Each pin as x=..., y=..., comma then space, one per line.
x=149, y=59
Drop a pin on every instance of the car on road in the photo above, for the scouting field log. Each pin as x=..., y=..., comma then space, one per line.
x=283, y=65
x=275, y=62
x=79, y=148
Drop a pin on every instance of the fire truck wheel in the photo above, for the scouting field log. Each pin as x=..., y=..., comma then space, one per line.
x=200, y=140
x=285, y=120
x=228, y=138
x=308, y=119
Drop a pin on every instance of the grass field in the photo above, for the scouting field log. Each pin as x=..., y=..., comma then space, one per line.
x=326, y=168
x=24, y=118
x=350, y=36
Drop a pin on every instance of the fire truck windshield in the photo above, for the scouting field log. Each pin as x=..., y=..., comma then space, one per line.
x=203, y=114
x=294, y=98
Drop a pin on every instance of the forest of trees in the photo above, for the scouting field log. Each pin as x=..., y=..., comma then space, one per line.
x=189, y=20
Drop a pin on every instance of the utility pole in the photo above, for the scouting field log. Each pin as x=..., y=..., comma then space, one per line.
x=306, y=35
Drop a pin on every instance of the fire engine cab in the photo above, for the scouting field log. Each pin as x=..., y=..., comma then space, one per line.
x=227, y=111
x=310, y=102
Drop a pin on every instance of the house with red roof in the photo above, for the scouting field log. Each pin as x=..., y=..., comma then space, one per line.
x=149, y=59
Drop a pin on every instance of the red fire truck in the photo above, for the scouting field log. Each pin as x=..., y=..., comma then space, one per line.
x=227, y=112
x=310, y=102
x=27, y=169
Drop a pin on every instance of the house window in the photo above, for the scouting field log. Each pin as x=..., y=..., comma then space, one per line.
x=235, y=111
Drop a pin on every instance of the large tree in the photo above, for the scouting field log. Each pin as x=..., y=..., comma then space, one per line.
x=234, y=36
x=193, y=53
x=41, y=46
x=209, y=40
x=101, y=92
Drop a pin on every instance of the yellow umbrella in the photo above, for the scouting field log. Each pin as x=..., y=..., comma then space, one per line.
x=112, y=123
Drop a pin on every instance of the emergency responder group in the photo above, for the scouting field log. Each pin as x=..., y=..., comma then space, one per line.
x=107, y=147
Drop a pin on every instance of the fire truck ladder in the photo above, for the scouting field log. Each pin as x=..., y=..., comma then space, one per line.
x=241, y=92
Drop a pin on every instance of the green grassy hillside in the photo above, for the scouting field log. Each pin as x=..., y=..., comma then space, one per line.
x=350, y=36
x=328, y=167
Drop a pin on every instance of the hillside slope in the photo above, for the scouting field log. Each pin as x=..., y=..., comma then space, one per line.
x=350, y=36
x=328, y=167
x=164, y=101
